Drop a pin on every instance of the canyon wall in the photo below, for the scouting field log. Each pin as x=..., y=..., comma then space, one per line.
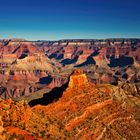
x=29, y=66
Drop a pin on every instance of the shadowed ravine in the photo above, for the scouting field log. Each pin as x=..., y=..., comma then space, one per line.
x=50, y=97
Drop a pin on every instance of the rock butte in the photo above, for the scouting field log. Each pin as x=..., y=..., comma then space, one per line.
x=77, y=79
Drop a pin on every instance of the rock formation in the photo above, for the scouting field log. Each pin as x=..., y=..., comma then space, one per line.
x=77, y=79
x=85, y=111
x=25, y=65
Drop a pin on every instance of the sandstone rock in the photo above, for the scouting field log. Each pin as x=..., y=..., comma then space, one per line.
x=104, y=112
x=78, y=78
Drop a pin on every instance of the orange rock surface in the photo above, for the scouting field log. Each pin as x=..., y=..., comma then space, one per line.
x=84, y=112
x=77, y=79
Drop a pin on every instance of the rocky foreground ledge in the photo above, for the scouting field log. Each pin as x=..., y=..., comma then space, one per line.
x=84, y=112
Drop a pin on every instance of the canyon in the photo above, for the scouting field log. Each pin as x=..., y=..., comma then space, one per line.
x=28, y=69
x=70, y=89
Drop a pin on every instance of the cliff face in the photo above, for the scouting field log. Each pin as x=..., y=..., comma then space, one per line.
x=28, y=67
x=85, y=111
x=70, y=49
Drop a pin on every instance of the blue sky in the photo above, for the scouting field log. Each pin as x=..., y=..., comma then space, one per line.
x=67, y=19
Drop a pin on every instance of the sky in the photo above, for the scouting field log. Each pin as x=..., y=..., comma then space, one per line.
x=69, y=19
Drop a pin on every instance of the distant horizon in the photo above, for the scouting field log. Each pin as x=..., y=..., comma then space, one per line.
x=55, y=39
x=25, y=39
x=63, y=37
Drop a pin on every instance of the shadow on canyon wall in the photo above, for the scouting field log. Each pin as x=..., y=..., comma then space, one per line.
x=45, y=80
x=121, y=62
x=50, y=97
